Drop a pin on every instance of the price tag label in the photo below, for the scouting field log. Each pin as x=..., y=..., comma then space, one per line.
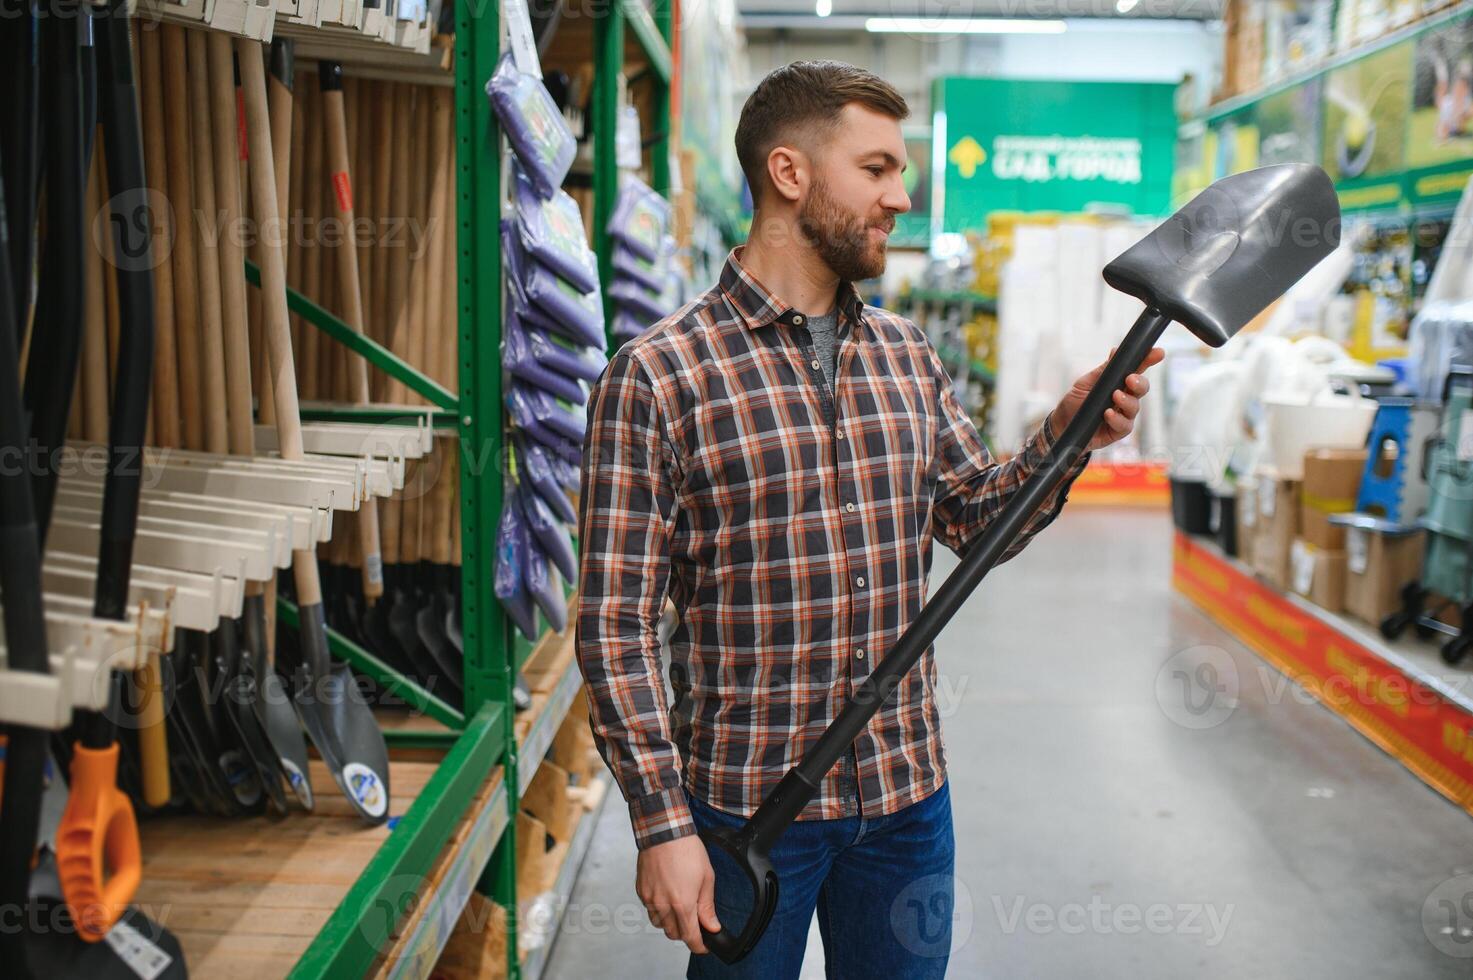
x=519, y=33
x=1249, y=510
x=137, y=951
x=1267, y=492
x=1302, y=560
x=1356, y=547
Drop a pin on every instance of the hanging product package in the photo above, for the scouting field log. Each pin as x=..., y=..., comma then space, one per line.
x=567, y=472
x=638, y=300
x=537, y=130
x=537, y=467
x=640, y=218
x=518, y=358
x=542, y=583
x=550, y=532
x=514, y=260
x=509, y=573
x=520, y=402
x=585, y=363
x=648, y=273
x=579, y=315
x=552, y=233
x=568, y=420
x=627, y=325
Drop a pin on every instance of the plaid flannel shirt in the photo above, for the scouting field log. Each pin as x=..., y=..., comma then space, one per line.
x=792, y=527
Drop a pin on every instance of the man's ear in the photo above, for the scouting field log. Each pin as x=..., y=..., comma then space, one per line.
x=790, y=171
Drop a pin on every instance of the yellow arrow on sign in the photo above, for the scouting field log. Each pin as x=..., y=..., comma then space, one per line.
x=968, y=155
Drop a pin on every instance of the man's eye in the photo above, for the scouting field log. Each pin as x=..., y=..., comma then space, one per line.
x=875, y=170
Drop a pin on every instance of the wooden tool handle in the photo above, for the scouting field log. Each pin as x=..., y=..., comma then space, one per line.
x=212, y=337
x=177, y=136
x=166, y=430
x=237, y=348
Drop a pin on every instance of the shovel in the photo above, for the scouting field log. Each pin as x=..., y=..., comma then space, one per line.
x=1212, y=266
x=339, y=723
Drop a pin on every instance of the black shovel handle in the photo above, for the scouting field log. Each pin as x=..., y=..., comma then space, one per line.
x=751, y=843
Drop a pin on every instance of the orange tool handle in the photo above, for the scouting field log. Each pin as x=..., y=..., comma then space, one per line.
x=98, y=831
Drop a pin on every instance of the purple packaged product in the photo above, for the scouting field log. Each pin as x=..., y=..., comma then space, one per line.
x=537, y=130
x=542, y=583
x=640, y=218
x=569, y=421
x=568, y=473
x=582, y=362
x=552, y=232
x=514, y=260
x=581, y=314
x=627, y=325
x=510, y=582
x=540, y=471
x=519, y=401
x=648, y=273
x=550, y=533
x=517, y=357
x=638, y=300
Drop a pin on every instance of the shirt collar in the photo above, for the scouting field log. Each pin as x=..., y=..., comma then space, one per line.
x=756, y=306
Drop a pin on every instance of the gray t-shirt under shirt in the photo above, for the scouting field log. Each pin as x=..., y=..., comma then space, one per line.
x=824, y=329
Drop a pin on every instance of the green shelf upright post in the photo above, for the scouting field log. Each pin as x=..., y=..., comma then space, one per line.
x=487, y=631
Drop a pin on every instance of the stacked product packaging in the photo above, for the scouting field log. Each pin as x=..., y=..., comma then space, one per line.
x=645, y=286
x=552, y=350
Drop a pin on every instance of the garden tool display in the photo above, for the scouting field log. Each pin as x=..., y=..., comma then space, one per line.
x=258, y=685
x=1447, y=567
x=1212, y=266
x=340, y=724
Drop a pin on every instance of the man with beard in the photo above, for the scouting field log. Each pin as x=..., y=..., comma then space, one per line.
x=777, y=458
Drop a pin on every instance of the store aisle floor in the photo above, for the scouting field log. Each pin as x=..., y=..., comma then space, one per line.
x=1114, y=817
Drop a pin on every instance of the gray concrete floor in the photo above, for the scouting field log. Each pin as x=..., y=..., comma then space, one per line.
x=1136, y=795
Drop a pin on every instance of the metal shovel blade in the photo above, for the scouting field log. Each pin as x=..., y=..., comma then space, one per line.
x=273, y=706
x=1233, y=249
x=340, y=724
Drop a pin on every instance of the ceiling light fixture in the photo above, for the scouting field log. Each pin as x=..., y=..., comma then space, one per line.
x=962, y=25
x=1125, y=6
x=824, y=7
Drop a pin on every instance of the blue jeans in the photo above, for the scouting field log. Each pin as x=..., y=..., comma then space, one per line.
x=882, y=888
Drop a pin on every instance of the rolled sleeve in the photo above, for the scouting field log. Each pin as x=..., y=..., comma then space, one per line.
x=627, y=509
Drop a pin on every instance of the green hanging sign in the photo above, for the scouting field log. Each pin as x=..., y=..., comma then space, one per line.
x=1051, y=146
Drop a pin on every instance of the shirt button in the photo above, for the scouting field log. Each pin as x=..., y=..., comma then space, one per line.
x=841, y=432
x=858, y=654
x=815, y=365
x=849, y=506
x=859, y=581
x=799, y=320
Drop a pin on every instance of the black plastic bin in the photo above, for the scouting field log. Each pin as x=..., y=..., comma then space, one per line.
x=1191, y=507
x=1222, y=521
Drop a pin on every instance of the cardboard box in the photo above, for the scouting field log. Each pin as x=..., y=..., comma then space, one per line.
x=1277, y=527
x=1378, y=565
x=1318, y=575
x=1331, y=482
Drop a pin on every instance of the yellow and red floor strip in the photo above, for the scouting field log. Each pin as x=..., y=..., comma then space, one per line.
x=1387, y=702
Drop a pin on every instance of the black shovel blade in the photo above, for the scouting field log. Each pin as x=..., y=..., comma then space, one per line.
x=1233, y=249
x=273, y=707
x=340, y=723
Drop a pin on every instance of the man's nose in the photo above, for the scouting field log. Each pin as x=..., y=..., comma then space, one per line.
x=895, y=198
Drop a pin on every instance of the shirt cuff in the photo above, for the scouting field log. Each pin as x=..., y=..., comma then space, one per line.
x=661, y=817
x=1035, y=451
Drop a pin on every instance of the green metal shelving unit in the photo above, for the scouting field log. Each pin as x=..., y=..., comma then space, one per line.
x=391, y=889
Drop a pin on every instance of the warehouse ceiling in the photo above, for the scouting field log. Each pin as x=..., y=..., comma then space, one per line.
x=844, y=13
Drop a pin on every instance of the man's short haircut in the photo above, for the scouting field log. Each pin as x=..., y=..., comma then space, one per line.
x=804, y=99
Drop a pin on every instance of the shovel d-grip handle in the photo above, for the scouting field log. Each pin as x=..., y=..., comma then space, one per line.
x=98, y=857
x=750, y=844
